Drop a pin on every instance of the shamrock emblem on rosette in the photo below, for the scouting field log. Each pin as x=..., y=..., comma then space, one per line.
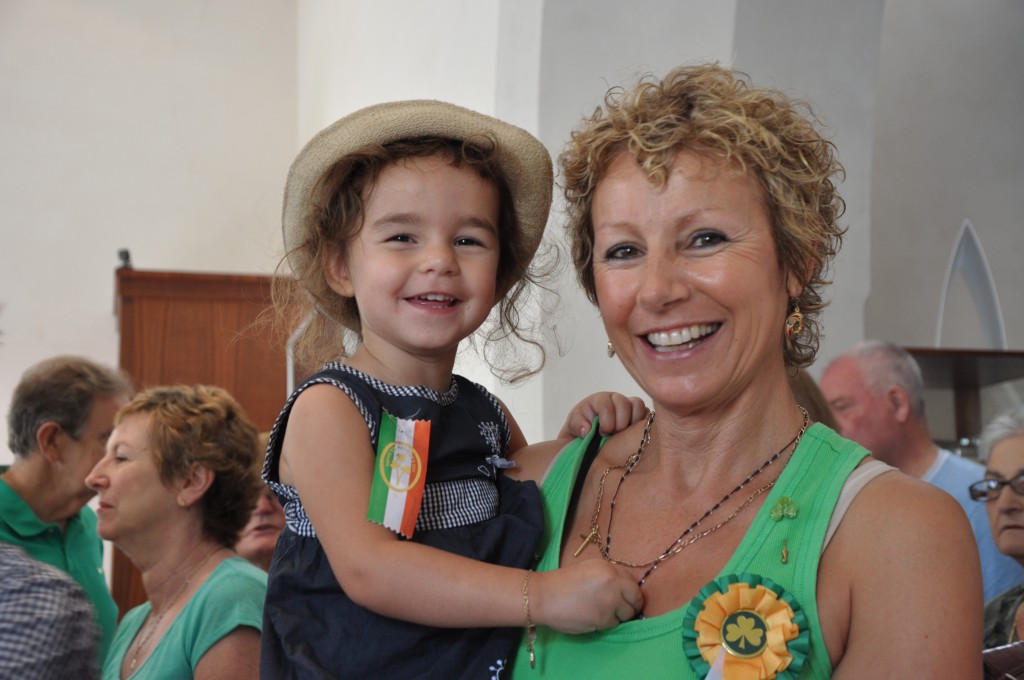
x=759, y=628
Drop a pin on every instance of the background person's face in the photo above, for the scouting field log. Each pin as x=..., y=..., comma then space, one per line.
x=257, y=540
x=1006, y=513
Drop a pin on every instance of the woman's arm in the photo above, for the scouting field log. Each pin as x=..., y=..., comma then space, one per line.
x=327, y=457
x=911, y=606
x=236, y=655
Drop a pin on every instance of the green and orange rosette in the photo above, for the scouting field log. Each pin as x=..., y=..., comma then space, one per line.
x=759, y=627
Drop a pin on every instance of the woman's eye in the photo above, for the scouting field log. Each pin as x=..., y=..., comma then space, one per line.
x=708, y=239
x=621, y=252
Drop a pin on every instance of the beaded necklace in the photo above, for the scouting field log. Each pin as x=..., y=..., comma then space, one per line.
x=684, y=539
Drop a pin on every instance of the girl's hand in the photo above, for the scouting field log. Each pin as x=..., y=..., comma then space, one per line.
x=584, y=597
x=615, y=412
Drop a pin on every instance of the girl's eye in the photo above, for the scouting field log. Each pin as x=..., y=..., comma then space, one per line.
x=468, y=241
x=708, y=239
x=623, y=251
x=401, y=238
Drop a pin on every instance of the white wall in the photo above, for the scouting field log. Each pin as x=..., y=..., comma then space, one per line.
x=162, y=127
x=827, y=52
x=948, y=148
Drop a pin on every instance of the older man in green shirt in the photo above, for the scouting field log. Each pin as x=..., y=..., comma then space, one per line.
x=61, y=414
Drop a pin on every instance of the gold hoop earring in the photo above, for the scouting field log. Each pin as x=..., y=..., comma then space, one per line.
x=794, y=323
x=611, y=349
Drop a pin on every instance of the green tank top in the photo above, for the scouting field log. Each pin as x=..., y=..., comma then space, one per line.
x=654, y=647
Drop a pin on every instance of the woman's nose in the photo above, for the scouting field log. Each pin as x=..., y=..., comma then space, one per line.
x=1009, y=500
x=663, y=282
x=95, y=479
x=264, y=505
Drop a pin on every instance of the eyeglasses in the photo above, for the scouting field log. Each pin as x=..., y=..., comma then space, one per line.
x=988, y=489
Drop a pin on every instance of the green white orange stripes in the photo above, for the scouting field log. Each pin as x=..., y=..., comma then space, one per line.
x=400, y=473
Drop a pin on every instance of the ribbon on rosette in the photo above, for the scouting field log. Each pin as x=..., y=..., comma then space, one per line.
x=745, y=627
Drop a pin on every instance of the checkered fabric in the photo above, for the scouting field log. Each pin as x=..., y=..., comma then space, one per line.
x=47, y=626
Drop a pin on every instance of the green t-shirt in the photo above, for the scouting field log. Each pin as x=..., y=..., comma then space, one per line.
x=232, y=597
x=77, y=550
x=654, y=647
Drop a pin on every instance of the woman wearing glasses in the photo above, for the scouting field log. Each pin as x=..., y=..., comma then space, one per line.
x=1002, y=445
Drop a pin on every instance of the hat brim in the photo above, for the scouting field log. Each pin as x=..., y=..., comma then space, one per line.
x=523, y=159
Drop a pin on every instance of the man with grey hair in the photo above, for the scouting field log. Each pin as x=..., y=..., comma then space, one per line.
x=876, y=393
x=61, y=414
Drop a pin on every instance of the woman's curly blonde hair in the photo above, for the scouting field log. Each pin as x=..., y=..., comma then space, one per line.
x=716, y=113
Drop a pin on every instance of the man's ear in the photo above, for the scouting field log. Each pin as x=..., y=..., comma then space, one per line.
x=48, y=440
x=899, y=402
x=336, y=273
x=194, y=485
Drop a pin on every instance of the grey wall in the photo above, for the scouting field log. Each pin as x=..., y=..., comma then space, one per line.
x=948, y=147
x=586, y=48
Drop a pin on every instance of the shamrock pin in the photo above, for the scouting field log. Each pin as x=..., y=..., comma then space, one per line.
x=784, y=507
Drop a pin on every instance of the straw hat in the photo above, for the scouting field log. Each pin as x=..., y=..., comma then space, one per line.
x=524, y=161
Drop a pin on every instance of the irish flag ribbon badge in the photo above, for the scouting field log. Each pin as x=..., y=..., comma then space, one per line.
x=400, y=473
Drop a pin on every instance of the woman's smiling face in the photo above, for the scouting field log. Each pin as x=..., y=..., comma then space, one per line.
x=688, y=279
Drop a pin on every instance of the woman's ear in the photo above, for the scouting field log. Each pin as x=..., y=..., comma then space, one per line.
x=796, y=281
x=194, y=485
x=337, y=275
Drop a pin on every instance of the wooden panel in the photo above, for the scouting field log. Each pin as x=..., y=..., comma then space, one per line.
x=190, y=328
x=965, y=372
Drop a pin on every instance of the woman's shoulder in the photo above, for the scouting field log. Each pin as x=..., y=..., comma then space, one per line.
x=906, y=504
x=234, y=588
x=234, y=578
x=239, y=570
x=533, y=462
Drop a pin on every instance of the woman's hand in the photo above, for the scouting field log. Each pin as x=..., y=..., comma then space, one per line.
x=584, y=597
x=615, y=412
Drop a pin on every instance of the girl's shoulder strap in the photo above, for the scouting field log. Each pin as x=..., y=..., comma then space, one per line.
x=338, y=375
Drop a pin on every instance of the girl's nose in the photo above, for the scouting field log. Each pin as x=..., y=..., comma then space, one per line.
x=440, y=258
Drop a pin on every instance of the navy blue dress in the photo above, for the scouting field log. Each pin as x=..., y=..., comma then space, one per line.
x=311, y=628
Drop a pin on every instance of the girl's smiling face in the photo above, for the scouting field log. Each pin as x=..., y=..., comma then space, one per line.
x=424, y=264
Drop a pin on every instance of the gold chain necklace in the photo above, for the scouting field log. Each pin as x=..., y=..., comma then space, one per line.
x=144, y=640
x=684, y=539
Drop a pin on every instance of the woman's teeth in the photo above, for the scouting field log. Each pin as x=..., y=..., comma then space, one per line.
x=689, y=335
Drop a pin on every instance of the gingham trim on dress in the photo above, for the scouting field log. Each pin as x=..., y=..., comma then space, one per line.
x=445, y=504
x=457, y=503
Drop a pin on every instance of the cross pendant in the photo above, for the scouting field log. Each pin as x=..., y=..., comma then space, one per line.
x=587, y=539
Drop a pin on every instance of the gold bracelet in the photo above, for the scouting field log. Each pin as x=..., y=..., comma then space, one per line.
x=531, y=629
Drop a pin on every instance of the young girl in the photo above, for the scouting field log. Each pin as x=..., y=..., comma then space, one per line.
x=406, y=551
